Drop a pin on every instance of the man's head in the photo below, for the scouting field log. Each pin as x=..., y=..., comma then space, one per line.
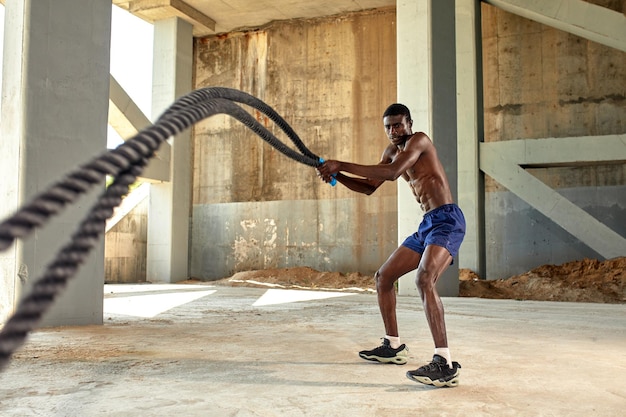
x=397, y=109
x=398, y=123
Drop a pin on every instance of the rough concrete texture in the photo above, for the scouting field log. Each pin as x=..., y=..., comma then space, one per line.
x=331, y=79
x=228, y=238
x=54, y=100
x=542, y=82
x=539, y=83
x=522, y=238
x=125, y=247
x=250, y=352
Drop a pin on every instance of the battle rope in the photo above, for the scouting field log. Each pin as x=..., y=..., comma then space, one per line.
x=124, y=163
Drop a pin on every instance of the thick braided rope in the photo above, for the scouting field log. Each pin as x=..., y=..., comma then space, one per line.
x=205, y=94
x=125, y=164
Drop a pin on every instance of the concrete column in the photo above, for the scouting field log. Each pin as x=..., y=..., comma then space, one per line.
x=427, y=85
x=169, y=208
x=54, y=116
x=470, y=133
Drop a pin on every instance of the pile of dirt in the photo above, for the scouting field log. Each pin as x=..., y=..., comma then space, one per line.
x=587, y=280
x=302, y=278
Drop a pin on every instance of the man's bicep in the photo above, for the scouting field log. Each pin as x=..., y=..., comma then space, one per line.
x=404, y=161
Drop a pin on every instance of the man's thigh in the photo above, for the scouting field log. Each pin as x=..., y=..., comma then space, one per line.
x=402, y=261
x=435, y=260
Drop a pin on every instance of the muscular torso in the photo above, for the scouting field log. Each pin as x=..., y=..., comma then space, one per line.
x=426, y=176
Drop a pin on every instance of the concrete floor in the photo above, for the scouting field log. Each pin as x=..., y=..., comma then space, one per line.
x=219, y=351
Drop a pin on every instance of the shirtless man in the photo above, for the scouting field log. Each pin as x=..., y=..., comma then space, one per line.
x=430, y=250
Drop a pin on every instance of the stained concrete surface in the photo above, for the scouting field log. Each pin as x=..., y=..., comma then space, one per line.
x=202, y=350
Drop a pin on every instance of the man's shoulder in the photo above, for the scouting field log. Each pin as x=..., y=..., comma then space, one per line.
x=420, y=136
x=420, y=139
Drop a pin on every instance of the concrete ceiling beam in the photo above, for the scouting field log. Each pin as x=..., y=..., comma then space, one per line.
x=155, y=10
x=502, y=161
x=127, y=119
x=124, y=115
x=573, y=151
x=577, y=17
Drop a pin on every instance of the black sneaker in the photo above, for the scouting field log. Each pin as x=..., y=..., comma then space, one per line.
x=386, y=354
x=437, y=373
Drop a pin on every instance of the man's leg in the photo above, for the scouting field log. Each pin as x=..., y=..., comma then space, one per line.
x=401, y=261
x=441, y=372
x=433, y=263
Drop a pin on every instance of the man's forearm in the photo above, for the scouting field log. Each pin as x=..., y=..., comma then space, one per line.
x=381, y=172
x=359, y=185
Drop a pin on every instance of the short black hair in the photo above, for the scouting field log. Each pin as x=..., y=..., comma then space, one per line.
x=397, y=109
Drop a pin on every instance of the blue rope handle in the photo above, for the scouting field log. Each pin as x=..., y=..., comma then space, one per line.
x=333, y=180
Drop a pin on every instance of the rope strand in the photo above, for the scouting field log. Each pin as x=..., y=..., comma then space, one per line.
x=124, y=164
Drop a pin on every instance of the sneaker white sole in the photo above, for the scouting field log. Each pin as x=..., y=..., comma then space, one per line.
x=398, y=360
x=437, y=383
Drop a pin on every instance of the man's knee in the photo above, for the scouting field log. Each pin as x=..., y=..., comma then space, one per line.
x=383, y=283
x=425, y=279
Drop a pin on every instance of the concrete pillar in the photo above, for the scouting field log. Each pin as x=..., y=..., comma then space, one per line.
x=427, y=85
x=470, y=133
x=169, y=207
x=54, y=116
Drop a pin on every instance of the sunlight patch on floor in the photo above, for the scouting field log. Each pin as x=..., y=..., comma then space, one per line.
x=126, y=288
x=272, y=297
x=150, y=305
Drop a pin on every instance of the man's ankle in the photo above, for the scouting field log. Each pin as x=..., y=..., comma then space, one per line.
x=394, y=341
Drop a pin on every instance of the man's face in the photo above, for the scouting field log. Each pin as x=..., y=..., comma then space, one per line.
x=397, y=128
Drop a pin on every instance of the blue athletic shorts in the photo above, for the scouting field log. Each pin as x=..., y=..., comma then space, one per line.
x=443, y=226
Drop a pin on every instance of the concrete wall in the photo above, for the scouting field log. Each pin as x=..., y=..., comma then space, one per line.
x=331, y=78
x=541, y=82
x=253, y=208
x=125, y=247
x=54, y=116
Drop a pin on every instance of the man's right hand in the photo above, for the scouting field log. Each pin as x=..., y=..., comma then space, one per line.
x=328, y=169
x=325, y=178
